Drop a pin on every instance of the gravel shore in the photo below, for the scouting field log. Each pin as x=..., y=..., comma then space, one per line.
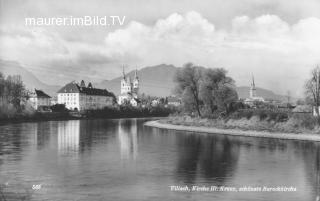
x=202, y=129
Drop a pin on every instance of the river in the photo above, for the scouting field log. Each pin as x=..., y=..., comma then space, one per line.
x=122, y=160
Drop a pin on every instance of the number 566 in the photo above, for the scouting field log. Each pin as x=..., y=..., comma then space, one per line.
x=36, y=187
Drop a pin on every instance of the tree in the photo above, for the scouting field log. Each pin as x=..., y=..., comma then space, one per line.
x=218, y=90
x=188, y=81
x=312, y=89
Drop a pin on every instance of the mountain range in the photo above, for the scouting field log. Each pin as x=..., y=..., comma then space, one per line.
x=158, y=81
x=30, y=80
x=154, y=81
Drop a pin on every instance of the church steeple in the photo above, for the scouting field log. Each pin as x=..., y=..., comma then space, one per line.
x=123, y=73
x=253, y=89
x=253, y=84
x=136, y=74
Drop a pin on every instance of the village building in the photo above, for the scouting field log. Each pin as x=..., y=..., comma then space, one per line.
x=155, y=102
x=80, y=97
x=174, y=101
x=129, y=90
x=39, y=100
x=253, y=95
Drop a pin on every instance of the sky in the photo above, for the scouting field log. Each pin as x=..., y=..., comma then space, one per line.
x=277, y=41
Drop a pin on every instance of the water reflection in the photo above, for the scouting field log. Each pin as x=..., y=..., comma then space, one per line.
x=154, y=158
x=311, y=157
x=213, y=157
x=68, y=136
x=127, y=133
x=43, y=134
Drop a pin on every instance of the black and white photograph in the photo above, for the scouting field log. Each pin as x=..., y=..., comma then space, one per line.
x=169, y=100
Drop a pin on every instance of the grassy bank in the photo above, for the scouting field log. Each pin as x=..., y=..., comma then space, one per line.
x=295, y=123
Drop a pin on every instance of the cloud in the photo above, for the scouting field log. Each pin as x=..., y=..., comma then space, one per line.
x=252, y=45
x=267, y=46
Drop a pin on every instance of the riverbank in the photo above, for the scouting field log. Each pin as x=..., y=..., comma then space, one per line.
x=66, y=117
x=38, y=117
x=235, y=132
x=105, y=113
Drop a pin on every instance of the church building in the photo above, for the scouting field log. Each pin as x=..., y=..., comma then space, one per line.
x=253, y=95
x=129, y=90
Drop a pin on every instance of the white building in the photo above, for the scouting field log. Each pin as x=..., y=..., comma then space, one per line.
x=82, y=97
x=253, y=95
x=155, y=102
x=39, y=99
x=129, y=90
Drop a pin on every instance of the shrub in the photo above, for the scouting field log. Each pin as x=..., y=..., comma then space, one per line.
x=58, y=108
x=263, y=114
x=305, y=121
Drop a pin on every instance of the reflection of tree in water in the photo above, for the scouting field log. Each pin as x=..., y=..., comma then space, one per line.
x=93, y=132
x=272, y=145
x=311, y=158
x=13, y=139
x=212, y=157
x=43, y=131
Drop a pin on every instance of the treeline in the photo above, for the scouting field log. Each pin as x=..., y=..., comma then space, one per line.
x=12, y=96
x=206, y=92
x=14, y=106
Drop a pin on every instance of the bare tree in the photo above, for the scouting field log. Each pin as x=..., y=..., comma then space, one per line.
x=312, y=89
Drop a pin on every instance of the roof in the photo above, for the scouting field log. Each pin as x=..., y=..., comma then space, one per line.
x=41, y=94
x=75, y=88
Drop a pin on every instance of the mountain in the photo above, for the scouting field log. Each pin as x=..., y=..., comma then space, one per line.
x=154, y=80
x=158, y=81
x=30, y=81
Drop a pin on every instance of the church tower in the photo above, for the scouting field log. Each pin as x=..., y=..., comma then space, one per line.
x=253, y=92
x=125, y=86
x=136, y=82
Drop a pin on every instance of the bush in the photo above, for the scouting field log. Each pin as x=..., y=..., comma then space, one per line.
x=303, y=108
x=263, y=114
x=7, y=110
x=58, y=108
x=305, y=121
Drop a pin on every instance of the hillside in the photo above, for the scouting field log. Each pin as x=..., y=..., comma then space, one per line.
x=154, y=80
x=31, y=81
x=158, y=81
x=243, y=92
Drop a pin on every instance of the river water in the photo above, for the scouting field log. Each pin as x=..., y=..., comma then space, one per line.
x=122, y=160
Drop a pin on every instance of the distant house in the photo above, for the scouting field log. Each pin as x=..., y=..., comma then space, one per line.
x=81, y=97
x=155, y=102
x=39, y=99
x=135, y=102
x=174, y=101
